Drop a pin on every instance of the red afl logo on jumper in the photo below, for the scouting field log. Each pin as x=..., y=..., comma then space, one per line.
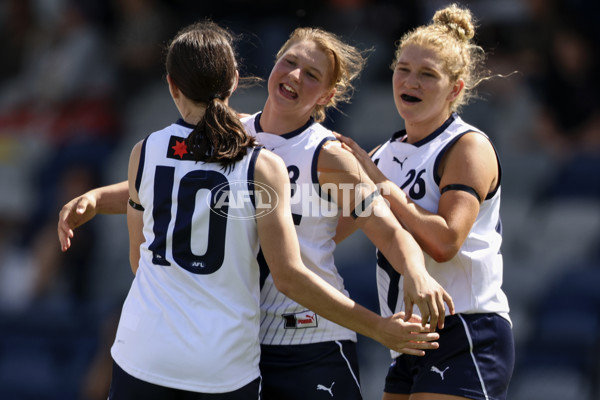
x=303, y=319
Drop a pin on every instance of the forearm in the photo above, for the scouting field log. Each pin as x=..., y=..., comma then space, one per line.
x=345, y=228
x=111, y=199
x=309, y=290
x=430, y=230
x=397, y=245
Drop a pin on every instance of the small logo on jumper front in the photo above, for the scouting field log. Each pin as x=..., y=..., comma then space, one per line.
x=304, y=319
x=438, y=371
x=325, y=388
x=400, y=162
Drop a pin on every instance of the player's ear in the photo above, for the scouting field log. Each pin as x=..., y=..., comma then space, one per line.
x=456, y=89
x=324, y=100
x=173, y=89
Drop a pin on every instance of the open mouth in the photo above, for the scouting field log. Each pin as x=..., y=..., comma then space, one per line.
x=288, y=91
x=410, y=99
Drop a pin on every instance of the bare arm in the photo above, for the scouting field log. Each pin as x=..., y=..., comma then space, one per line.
x=111, y=199
x=282, y=253
x=338, y=169
x=135, y=221
x=471, y=161
x=345, y=228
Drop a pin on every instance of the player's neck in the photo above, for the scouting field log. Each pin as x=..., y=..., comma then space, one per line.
x=280, y=122
x=419, y=130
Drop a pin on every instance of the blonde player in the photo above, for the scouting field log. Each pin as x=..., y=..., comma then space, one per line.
x=442, y=178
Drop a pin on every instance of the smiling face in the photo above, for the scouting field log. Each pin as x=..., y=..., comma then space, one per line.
x=301, y=79
x=423, y=92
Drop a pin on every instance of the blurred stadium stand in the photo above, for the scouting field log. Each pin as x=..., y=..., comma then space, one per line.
x=81, y=81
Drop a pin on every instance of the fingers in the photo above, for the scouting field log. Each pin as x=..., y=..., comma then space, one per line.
x=408, y=309
x=434, y=313
x=418, y=349
x=444, y=298
x=64, y=231
x=67, y=220
x=448, y=300
x=442, y=312
x=64, y=237
x=419, y=342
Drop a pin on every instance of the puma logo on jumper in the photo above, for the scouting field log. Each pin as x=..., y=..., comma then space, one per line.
x=399, y=162
x=325, y=388
x=303, y=319
x=437, y=371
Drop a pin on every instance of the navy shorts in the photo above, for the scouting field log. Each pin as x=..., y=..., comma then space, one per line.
x=310, y=371
x=475, y=360
x=126, y=387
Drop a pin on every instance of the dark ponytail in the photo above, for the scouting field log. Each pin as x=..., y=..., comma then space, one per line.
x=201, y=62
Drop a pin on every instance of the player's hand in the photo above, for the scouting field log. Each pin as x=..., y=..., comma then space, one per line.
x=72, y=215
x=363, y=158
x=408, y=337
x=424, y=292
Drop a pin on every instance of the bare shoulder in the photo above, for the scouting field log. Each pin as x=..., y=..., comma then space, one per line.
x=333, y=155
x=136, y=151
x=474, y=142
x=270, y=168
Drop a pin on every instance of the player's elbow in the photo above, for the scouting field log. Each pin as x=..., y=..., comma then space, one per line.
x=443, y=252
x=292, y=280
x=283, y=280
x=134, y=261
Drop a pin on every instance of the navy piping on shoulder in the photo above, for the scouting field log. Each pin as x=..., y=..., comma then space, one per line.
x=437, y=178
x=257, y=127
x=438, y=160
x=315, y=173
x=437, y=132
x=138, y=177
x=251, y=167
x=288, y=135
x=181, y=122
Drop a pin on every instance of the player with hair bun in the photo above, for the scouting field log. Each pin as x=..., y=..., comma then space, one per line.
x=442, y=179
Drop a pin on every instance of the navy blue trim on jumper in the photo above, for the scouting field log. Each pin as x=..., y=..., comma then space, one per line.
x=436, y=165
x=288, y=135
x=314, y=170
x=437, y=132
x=439, y=157
x=181, y=122
x=401, y=135
x=251, y=168
x=393, y=288
x=138, y=177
